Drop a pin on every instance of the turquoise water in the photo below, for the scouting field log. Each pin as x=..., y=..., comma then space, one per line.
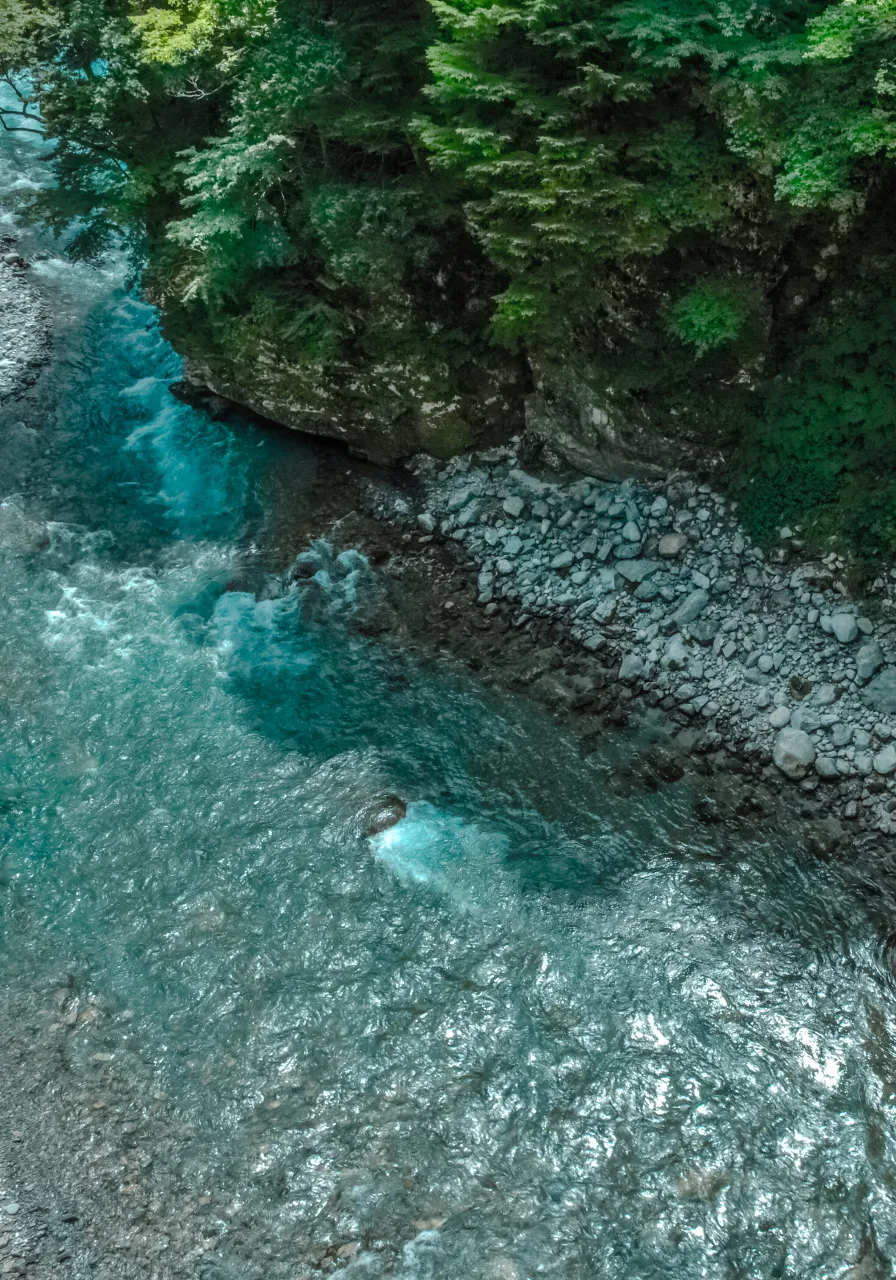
x=539, y=1029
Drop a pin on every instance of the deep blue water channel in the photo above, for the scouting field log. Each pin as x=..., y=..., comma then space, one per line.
x=541, y=1030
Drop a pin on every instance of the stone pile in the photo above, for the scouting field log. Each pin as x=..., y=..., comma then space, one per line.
x=23, y=324
x=768, y=656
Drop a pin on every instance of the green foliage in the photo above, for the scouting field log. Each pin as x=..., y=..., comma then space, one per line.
x=712, y=314
x=823, y=453
x=417, y=190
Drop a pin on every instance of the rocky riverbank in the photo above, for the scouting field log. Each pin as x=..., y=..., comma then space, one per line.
x=24, y=328
x=663, y=599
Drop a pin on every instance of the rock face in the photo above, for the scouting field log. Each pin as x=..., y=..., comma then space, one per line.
x=794, y=753
x=383, y=412
x=575, y=423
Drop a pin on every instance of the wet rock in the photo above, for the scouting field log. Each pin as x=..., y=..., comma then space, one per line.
x=563, y=560
x=386, y=812
x=794, y=753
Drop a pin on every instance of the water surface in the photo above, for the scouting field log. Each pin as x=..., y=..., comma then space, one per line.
x=539, y=1029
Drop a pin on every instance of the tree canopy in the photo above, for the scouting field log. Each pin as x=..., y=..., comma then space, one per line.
x=653, y=191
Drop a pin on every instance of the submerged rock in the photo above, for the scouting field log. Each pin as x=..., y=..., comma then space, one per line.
x=386, y=812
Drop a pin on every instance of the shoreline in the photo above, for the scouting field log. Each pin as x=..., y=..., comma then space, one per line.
x=611, y=602
x=760, y=669
x=24, y=324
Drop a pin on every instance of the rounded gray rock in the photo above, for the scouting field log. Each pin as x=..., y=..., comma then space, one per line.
x=671, y=545
x=794, y=753
x=844, y=627
x=885, y=760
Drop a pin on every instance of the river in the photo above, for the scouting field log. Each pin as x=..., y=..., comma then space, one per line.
x=538, y=1029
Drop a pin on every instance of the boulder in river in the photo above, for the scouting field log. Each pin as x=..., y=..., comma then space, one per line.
x=384, y=813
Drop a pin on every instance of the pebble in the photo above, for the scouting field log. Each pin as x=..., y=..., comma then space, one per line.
x=514, y=507
x=885, y=761
x=563, y=560
x=779, y=718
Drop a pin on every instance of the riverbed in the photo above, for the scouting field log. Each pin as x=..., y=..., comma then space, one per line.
x=541, y=1028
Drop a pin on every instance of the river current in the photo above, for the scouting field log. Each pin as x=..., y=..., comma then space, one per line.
x=537, y=1029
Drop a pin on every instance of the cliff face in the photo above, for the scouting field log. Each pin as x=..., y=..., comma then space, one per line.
x=384, y=413
x=388, y=415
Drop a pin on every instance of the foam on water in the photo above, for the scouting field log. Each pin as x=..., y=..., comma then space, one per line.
x=542, y=1027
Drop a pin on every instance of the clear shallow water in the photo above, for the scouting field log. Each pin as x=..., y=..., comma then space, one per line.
x=539, y=1029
